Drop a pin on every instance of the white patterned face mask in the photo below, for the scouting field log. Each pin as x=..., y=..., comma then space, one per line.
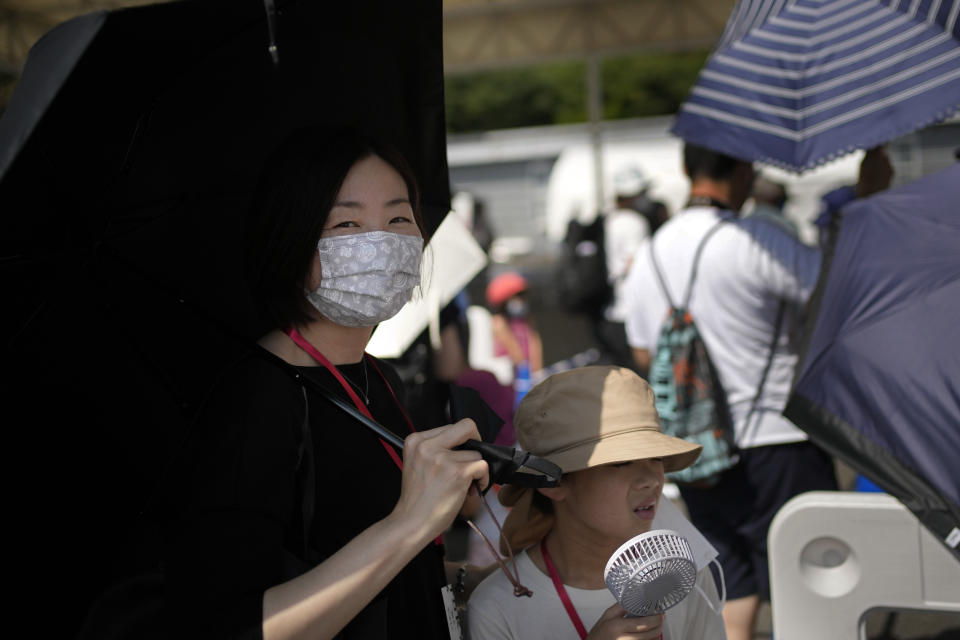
x=366, y=278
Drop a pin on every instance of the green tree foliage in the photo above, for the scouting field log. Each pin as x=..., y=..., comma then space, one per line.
x=634, y=86
x=649, y=85
x=518, y=97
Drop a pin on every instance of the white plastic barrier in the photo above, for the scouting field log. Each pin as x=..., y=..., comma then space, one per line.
x=834, y=556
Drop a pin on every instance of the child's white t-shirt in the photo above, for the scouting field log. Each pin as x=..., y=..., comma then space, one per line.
x=494, y=613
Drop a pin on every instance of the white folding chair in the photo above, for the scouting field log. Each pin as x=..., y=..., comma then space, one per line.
x=834, y=556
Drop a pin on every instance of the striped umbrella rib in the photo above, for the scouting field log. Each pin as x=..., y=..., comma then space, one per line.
x=878, y=13
x=799, y=94
x=884, y=103
x=736, y=83
x=797, y=82
x=821, y=9
x=880, y=50
x=820, y=128
x=820, y=22
x=747, y=103
x=798, y=114
x=870, y=79
x=826, y=52
x=747, y=15
x=951, y=24
x=747, y=123
x=840, y=33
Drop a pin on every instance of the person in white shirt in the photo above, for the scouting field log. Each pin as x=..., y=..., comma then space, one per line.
x=600, y=426
x=752, y=277
x=624, y=230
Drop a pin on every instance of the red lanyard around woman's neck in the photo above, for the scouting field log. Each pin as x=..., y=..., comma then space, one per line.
x=301, y=342
x=562, y=591
x=322, y=359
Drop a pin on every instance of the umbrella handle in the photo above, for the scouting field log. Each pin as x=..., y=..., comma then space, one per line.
x=505, y=462
x=271, y=8
x=387, y=435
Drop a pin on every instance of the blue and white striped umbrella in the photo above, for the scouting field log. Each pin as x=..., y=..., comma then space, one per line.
x=795, y=83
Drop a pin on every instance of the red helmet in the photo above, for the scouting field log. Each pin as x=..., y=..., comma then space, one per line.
x=504, y=287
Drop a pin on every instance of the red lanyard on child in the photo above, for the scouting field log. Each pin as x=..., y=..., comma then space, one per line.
x=319, y=357
x=562, y=591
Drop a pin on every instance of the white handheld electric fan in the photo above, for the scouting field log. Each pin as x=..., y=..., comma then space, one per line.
x=651, y=572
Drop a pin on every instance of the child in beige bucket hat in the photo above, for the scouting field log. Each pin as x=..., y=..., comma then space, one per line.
x=600, y=426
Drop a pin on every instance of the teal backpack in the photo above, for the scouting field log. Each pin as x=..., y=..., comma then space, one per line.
x=689, y=397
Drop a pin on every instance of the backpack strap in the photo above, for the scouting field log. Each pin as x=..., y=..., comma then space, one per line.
x=696, y=262
x=766, y=369
x=660, y=280
x=693, y=270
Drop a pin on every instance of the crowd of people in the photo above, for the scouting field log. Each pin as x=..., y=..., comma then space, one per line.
x=756, y=279
x=285, y=517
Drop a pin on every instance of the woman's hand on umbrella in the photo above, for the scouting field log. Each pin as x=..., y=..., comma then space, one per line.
x=436, y=477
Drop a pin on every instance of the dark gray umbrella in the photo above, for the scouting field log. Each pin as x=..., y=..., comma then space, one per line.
x=877, y=385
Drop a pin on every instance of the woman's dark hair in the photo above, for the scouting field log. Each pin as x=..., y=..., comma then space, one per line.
x=293, y=198
x=701, y=162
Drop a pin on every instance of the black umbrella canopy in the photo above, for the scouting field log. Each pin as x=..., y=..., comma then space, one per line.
x=129, y=152
x=171, y=105
x=146, y=153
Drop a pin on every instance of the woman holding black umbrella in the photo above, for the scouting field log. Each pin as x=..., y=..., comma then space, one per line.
x=292, y=519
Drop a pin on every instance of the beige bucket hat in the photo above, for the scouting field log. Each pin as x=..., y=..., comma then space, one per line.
x=584, y=418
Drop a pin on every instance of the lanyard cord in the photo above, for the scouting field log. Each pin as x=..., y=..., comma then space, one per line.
x=320, y=358
x=514, y=578
x=361, y=407
x=562, y=591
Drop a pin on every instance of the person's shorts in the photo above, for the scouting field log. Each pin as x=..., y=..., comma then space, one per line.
x=735, y=514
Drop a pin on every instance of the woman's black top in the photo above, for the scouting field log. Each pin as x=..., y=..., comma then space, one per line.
x=237, y=528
